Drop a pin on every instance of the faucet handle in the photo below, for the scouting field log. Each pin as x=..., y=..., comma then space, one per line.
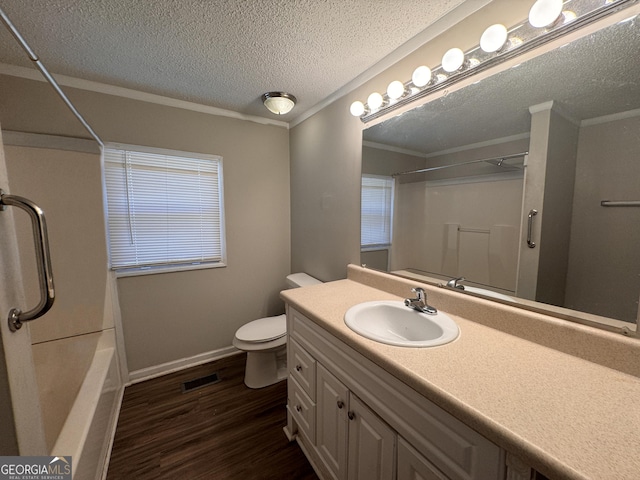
x=453, y=283
x=420, y=292
x=420, y=304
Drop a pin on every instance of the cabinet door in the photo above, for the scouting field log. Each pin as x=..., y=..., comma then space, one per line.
x=332, y=404
x=372, y=444
x=413, y=466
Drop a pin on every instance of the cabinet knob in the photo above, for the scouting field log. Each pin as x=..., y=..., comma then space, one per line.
x=298, y=408
x=351, y=415
x=340, y=404
x=298, y=367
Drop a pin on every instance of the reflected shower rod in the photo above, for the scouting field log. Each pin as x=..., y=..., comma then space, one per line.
x=499, y=159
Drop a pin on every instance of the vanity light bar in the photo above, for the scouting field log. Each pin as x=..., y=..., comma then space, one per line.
x=548, y=20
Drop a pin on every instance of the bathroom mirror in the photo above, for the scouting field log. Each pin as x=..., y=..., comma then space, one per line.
x=560, y=133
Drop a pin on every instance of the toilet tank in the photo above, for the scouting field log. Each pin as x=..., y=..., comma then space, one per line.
x=296, y=280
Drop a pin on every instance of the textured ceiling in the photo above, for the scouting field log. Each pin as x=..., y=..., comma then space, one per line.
x=221, y=53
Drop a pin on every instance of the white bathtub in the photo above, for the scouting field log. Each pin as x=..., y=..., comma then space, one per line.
x=88, y=431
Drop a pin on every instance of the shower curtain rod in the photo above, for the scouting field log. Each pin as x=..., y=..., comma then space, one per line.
x=33, y=57
x=442, y=167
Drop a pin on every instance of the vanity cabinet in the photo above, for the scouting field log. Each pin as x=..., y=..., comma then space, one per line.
x=355, y=421
x=353, y=442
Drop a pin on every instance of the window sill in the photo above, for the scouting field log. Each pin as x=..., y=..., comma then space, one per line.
x=135, y=272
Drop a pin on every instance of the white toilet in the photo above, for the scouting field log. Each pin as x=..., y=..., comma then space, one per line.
x=265, y=341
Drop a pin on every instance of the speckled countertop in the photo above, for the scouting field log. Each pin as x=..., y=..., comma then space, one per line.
x=566, y=416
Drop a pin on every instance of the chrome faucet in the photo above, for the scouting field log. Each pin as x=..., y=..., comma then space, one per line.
x=454, y=283
x=420, y=303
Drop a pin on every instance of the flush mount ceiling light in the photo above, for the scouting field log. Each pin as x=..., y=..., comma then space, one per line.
x=278, y=102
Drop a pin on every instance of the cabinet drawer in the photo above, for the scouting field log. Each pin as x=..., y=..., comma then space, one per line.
x=302, y=409
x=302, y=367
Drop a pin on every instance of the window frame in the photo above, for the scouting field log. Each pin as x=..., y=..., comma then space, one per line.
x=390, y=206
x=128, y=271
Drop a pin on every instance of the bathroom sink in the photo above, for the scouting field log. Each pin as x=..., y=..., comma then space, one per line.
x=393, y=323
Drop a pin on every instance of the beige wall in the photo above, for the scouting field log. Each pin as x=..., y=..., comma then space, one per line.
x=376, y=161
x=168, y=317
x=604, y=254
x=549, y=178
x=326, y=155
x=555, y=216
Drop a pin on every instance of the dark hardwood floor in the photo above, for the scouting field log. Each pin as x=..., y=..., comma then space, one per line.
x=220, y=431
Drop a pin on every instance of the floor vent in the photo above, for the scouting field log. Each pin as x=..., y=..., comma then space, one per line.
x=200, y=382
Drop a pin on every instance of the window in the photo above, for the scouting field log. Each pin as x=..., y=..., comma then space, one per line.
x=377, y=211
x=165, y=209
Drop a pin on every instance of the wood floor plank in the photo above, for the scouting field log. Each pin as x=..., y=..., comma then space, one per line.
x=223, y=431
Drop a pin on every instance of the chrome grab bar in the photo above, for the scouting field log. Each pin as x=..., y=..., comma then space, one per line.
x=620, y=203
x=531, y=243
x=43, y=260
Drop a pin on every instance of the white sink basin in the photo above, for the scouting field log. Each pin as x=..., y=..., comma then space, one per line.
x=393, y=323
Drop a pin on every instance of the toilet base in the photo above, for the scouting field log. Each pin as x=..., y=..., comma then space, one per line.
x=265, y=368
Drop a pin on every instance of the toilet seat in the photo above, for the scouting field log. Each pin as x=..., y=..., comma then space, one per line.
x=263, y=330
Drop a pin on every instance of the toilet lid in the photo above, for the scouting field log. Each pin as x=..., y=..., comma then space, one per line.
x=263, y=329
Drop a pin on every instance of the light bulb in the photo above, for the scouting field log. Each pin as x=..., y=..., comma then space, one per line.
x=545, y=12
x=357, y=109
x=421, y=76
x=493, y=38
x=375, y=101
x=452, y=60
x=395, y=90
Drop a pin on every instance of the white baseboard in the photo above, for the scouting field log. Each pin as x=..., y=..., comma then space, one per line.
x=170, y=367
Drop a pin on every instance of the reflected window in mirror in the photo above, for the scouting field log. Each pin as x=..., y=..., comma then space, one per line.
x=377, y=196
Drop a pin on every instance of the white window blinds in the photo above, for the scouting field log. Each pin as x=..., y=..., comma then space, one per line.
x=164, y=208
x=377, y=210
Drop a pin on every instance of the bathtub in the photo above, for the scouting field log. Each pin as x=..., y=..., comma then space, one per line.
x=88, y=431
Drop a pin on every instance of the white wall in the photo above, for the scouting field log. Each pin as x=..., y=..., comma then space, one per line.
x=460, y=229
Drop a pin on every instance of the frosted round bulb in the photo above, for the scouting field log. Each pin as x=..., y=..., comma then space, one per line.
x=375, y=101
x=421, y=76
x=493, y=38
x=395, y=90
x=452, y=60
x=545, y=12
x=357, y=109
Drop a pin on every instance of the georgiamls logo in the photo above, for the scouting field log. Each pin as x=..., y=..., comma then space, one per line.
x=35, y=468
